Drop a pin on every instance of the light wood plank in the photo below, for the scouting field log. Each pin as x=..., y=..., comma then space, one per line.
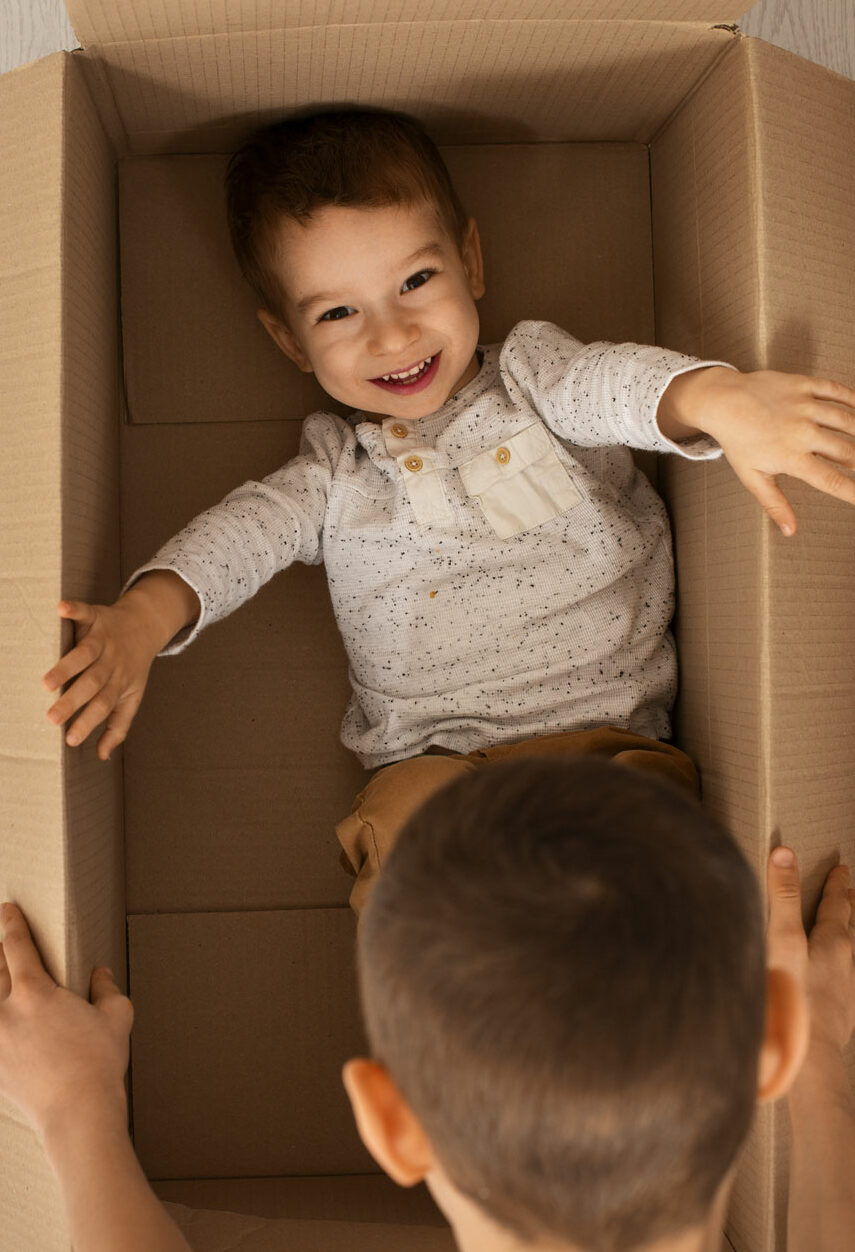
x=820, y=30
x=30, y=29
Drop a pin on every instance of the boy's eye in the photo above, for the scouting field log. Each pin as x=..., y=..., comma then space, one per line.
x=417, y=280
x=333, y=315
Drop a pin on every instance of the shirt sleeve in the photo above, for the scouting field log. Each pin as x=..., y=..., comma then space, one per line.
x=228, y=552
x=598, y=394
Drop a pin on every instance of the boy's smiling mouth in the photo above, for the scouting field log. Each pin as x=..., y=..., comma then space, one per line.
x=414, y=379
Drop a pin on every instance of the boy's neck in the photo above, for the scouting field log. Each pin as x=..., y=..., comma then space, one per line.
x=474, y=1232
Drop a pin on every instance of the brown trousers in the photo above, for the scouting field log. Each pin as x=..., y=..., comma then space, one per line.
x=396, y=791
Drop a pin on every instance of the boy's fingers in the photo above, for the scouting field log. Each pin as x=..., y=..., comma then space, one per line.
x=77, y=611
x=828, y=478
x=785, y=892
x=5, y=976
x=74, y=662
x=85, y=689
x=828, y=389
x=833, y=417
x=96, y=711
x=22, y=959
x=118, y=725
x=836, y=903
x=777, y=506
x=109, y=1000
x=785, y=936
x=834, y=447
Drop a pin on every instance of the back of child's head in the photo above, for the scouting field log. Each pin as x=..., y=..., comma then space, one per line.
x=356, y=158
x=562, y=968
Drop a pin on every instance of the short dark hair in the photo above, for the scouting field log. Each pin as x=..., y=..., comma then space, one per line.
x=365, y=158
x=562, y=969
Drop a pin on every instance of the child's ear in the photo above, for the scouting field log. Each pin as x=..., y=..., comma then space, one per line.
x=786, y=1035
x=473, y=261
x=386, y=1123
x=284, y=339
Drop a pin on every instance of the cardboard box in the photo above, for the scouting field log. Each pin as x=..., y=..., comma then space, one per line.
x=640, y=171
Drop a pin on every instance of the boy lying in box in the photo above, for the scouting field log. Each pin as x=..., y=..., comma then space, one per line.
x=570, y=1016
x=500, y=572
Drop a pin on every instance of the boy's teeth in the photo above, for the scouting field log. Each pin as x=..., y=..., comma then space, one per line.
x=409, y=373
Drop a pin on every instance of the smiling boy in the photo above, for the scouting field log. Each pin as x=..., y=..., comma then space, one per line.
x=500, y=572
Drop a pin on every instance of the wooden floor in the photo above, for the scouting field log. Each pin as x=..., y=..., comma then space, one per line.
x=821, y=30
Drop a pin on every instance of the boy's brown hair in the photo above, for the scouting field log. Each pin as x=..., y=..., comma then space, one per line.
x=361, y=158
x=562, y=969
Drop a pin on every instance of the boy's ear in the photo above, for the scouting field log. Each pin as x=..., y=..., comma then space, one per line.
x=473, y=261
x=284, y=339
x=786, y=1035
x=386, y=1123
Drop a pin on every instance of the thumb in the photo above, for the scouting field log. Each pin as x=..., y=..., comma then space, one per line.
x=77, y=611
x=764, y=487
x=786, y=942
x=108, y=999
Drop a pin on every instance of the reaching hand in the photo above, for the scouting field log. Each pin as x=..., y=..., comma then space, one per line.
x=770, y=423
x=823, y=962
x=113, y=653
x=59, y=1055
x=111, y=663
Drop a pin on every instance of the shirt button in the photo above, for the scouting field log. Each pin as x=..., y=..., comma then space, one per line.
x=400, y=431
x=414, y=464
x=503, y=456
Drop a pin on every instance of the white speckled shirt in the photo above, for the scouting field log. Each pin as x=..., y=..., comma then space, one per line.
x=498, y=569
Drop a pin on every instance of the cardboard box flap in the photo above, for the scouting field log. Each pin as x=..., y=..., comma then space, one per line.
x=100, y=22
x=470, y=81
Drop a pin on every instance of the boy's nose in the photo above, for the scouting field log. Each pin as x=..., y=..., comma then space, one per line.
x=391, y=333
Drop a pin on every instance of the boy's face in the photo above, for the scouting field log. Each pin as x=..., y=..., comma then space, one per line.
x=371, y=294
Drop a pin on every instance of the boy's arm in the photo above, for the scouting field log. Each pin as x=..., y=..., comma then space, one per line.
x=62, y=1062
x=205, y=572
x=821, y=1102
x=768, y=423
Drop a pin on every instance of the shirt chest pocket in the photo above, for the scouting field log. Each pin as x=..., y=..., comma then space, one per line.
x=521, y=483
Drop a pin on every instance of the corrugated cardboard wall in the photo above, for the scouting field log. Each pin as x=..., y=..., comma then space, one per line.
x=90, y=512
x=58, y=391
x=708, y=301
x=768, y=671
x=805, y=125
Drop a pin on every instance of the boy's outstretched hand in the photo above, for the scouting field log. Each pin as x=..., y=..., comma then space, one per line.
x=115, y=646
x=769, y=423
